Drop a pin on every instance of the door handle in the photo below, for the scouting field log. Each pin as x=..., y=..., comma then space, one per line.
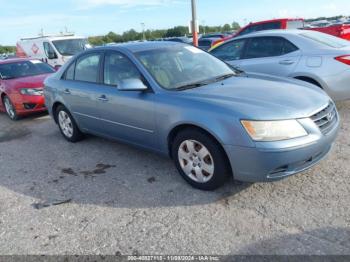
x=286, y=62
x=67, y=91
x=103, y=98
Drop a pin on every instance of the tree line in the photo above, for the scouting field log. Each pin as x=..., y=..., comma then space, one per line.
x=7, y=49
x=177, y=31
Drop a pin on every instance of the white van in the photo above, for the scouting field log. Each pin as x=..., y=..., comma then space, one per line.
x=54, y=50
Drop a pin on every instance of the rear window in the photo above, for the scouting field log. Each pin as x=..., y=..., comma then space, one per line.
x=24, y=69
x=327, y=40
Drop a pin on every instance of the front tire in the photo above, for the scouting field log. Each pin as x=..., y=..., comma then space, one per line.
x=67, y=125
x=10, y=108
x=200, y=160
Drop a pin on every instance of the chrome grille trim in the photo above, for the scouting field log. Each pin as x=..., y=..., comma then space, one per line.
x=326, y=119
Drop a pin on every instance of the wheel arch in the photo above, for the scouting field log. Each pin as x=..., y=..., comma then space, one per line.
x=54, y=108
x=180, y=127
x=309, y=79
x=2, y=95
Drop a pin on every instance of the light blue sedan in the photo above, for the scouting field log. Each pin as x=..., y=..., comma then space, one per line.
x=180, y=101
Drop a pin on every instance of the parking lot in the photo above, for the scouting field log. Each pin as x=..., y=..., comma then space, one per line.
x=103, y=197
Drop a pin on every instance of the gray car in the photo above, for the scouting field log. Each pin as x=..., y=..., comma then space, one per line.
x=315, y=57
x=180, y=101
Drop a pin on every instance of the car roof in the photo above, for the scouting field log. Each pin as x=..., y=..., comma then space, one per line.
x=14, y=60
x=143, y=46
x=275, y=20
x=277, y=32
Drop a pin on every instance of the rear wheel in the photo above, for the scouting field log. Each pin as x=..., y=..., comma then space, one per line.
x=10, y=109
x=200, y=159
x=67, y=125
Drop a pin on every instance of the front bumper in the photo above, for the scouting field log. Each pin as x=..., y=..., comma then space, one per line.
x=30, y=104
x=261, y=164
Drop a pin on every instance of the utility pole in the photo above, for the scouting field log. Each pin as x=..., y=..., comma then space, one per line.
x=194, y=23
x=203, y=24
x=143, y=31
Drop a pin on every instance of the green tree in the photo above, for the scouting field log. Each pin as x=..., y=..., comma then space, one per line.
x=7, y=49
x=226, y=28
x=235, y=26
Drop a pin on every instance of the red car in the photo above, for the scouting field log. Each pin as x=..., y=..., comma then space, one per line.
x=340, y=30
x=283, y=23
x=21, y=86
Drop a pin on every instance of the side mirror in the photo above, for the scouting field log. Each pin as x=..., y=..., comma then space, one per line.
x=51, y=55
x=132, y=84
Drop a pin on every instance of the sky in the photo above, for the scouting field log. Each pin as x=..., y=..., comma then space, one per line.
x=19, y=18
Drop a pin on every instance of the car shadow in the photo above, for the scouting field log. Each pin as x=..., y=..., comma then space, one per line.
x=323, y=241
x=95, y=171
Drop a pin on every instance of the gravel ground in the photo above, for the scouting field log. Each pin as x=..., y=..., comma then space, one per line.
x=103, y=197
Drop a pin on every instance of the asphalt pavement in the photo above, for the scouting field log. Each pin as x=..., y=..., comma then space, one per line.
x=103, y=197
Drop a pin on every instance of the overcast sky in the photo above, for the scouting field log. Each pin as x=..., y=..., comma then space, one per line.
x=19, y=18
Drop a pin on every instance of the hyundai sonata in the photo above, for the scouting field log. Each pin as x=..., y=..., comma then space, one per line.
x=178, y=100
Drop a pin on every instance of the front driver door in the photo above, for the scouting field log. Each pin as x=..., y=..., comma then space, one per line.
x=51, y=55
x=230, y=52
x=125, y=115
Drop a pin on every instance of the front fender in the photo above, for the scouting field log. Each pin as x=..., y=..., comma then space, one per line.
x=222, y=125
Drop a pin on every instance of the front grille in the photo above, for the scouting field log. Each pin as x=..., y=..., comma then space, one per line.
x=326, y=119
x=29, y=106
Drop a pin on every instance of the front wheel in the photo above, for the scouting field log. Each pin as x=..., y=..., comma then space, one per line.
x=67, y=125
x=200, y=160
x=10, y=108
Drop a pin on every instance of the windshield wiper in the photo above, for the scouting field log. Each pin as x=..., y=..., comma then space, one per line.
x=235, y=69
x=223, y=77
x=190, y=86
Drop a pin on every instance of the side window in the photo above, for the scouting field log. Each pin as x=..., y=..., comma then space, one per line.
x=87, y=68
x=69, y=75
x=270, y=26
x=118, y=68
x=259, y=47
x=49, y=51
x=230, y=51
x=261, y=27
x=288, y=47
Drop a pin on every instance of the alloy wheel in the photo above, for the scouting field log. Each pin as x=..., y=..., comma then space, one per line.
x=66, y=124
x=9, y=108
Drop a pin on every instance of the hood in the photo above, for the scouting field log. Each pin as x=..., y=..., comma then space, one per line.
x=262, y=97
x=29, y=81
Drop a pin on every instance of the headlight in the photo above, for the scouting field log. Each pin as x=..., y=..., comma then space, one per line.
x=31, y=91
x=268, y=131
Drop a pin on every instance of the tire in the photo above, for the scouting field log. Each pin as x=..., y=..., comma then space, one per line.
x=67, y=125
x=9, y=108
x=200, y=160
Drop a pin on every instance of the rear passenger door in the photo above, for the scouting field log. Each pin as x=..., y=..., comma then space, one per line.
x=270, y=55
x=80, y=89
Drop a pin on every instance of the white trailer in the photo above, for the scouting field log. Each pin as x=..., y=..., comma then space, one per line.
x=52, y=49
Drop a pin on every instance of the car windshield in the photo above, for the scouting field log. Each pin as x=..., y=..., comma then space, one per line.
x=182, y=67
x=328, y=40
x=24, y=69
x=70, y=47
